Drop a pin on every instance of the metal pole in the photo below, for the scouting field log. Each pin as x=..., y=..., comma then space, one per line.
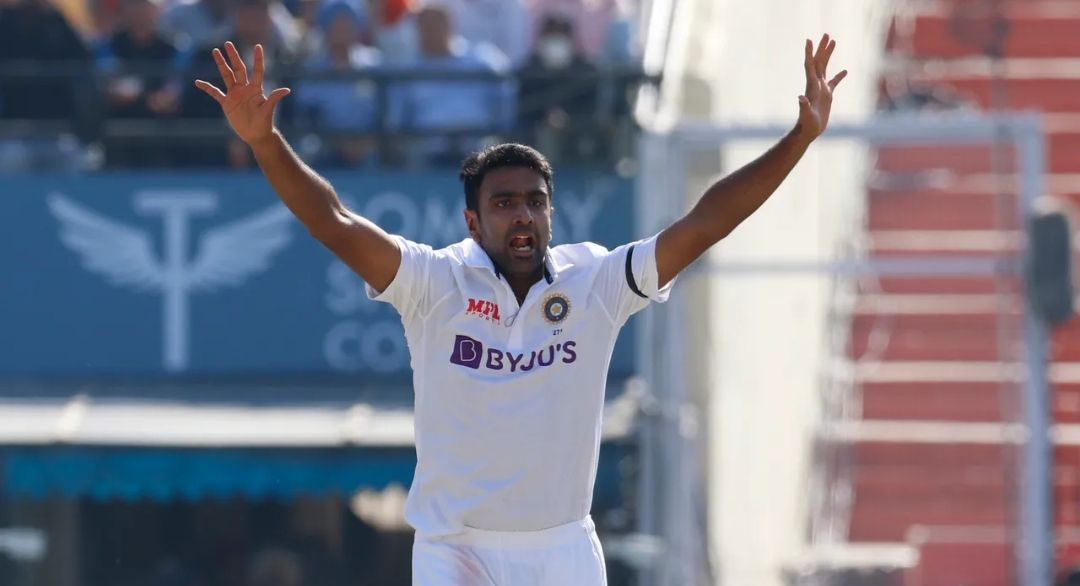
x=661, y=453
x=655, y=177
x=885, y=129
x=678, y=565
x=1036, y=495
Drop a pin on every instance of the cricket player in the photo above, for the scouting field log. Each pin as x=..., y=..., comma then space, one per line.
x=510, y=340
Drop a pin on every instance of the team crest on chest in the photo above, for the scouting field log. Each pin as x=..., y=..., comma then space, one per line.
x=556, y=307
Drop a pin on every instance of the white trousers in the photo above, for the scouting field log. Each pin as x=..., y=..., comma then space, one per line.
x=567, y=555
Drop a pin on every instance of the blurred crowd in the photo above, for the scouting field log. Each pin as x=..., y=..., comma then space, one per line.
x=375, y=82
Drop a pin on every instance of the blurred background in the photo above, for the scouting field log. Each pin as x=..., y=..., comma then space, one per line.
x=875, y=381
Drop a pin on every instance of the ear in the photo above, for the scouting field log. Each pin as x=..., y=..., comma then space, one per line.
x=472, y=222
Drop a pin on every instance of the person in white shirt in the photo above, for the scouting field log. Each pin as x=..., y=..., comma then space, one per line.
x=504, y=24
x=510, y=339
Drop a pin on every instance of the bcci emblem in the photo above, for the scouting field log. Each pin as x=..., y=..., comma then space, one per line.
x=556, y=308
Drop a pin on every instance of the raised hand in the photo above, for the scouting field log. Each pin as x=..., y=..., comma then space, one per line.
x=249, y=112
x=816, y=104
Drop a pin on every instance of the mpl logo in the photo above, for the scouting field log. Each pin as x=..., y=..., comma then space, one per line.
x=470, y=353
x=228, y=254
x=483, y=309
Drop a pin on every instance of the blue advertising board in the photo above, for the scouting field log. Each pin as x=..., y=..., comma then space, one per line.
x=143, y=274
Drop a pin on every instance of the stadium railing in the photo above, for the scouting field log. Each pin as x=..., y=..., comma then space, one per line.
x=611, y=89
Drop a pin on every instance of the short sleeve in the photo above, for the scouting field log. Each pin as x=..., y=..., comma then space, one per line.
x=423, y=273
x=628, y=279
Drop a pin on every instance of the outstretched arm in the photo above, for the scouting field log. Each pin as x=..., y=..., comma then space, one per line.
x=359, y=243
x=732, y=199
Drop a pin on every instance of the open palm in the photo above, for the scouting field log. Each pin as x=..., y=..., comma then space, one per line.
x=816, y=104
x=249, y=112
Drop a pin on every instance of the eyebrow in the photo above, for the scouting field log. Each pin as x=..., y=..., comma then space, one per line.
x=506, y=194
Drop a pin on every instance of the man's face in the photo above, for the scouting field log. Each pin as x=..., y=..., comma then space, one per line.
x=252, y=24
x=342, y=31
x=142, y=16
x=513, y=219
x=434, y=27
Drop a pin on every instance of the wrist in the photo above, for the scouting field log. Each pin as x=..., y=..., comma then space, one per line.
x=800, y=136
x=265, y=142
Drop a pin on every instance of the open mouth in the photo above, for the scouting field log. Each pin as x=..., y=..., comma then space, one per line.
x=522, y=246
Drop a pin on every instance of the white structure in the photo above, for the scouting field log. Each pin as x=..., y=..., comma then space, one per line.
x=752, y=353
x=758, y=343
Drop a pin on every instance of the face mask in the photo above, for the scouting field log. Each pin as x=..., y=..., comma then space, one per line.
x=555, y=52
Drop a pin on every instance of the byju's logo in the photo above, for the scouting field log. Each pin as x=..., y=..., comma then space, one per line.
x=470, y=353
x=467, y=352
x=124, y=255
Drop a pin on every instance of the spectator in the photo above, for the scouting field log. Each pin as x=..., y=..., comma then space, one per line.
x=251, y=24
x=315, y=21
x=307, y=20
x=347, y=105
x=34, y=30
x=196, y=23
x=502, y=23
x=395, y=33
x=461, y=110
x=202, y=23
x=606, y=28
x=104, y=14
x=621, y=44
x=559, y=94
x=141, y=82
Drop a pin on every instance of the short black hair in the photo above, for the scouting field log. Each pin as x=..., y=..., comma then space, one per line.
x=477, y=165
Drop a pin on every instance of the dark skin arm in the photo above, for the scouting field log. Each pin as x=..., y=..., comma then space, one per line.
x=734, y=198
x=359, y=243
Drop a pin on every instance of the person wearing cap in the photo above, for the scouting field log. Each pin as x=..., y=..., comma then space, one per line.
x=341, y=105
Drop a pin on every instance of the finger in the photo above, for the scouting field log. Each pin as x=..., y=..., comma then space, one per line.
x=239, y=68
x=824, y=42
x=822, y=46
x=259, y=67
x=804, y=108
x=828, y=56
x=275, y=97
x=210, y=90
x=223, y=67
x=836, y=80
x=811, y=71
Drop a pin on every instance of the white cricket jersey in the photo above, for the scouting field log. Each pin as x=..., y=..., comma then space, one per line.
x=509, y=399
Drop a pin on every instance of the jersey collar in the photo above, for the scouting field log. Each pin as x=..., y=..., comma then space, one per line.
x=476, y=257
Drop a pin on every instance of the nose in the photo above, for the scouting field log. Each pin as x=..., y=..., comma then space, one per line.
x=523, y=214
